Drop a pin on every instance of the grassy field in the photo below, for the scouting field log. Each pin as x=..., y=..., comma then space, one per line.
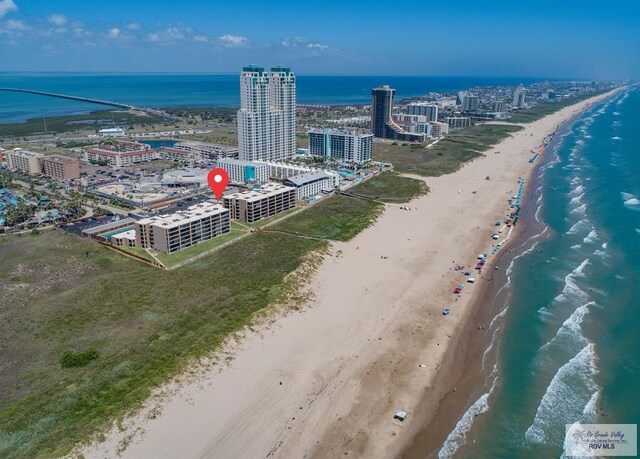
x=61, y=293
x=543, y=109
x=339, y=218
x=446, y=156
x=268, y=220
x=94, y=120
x=138, y=251
x=172, y=259
x=391, y=187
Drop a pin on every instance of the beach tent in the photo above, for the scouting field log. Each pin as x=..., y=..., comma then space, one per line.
x=471, y=280
x=400, y=415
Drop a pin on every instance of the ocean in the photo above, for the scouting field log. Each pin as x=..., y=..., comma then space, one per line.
x=199, y=90
x=564, y=344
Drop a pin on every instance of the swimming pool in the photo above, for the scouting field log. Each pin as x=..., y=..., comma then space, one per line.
x=114, y=232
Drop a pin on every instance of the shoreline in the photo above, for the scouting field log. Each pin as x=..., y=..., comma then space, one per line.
x=492, y=301
x=368, y=346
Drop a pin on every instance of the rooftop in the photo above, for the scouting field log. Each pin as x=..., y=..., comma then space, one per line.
x=240, y=162
x=336, y=132
x=26, y=153
x=191, y=214
x=60, y=159
x=271, y=189
x=309, y=177
x=197, y=144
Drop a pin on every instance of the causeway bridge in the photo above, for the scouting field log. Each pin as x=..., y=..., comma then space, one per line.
x=69, y=97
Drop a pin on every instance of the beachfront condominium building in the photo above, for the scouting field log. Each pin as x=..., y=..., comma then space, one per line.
x=458, y=122
x=309, y=184
x=245, y=171
x=497, y=107
x=281, y=171
x=253, y=205
x=430, y=111
x=422, y=128
x=348, y=147
x=60, y=167
x=518, y=97
x=470, y=102
x=267, y=115
x=382, y=123
x=438, y=129
x=172, y=232
x=20, y=160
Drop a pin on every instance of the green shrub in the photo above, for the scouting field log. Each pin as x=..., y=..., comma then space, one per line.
x=72, y=359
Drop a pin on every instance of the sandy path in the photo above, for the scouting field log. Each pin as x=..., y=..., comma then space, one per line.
x=326, y=381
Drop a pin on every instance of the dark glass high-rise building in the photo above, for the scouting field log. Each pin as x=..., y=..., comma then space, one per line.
x=382, y=123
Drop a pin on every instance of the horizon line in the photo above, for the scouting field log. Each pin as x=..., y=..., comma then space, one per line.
x=101, y=72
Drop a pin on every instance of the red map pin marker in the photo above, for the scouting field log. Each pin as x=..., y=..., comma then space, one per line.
x=218, y=179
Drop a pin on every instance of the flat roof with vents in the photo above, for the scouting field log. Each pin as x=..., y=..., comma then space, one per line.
x=190, y=214
x=271, y=189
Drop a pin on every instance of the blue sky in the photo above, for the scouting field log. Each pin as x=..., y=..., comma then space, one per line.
x=581, y=39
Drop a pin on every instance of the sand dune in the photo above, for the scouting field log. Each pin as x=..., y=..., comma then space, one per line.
x=327, y=381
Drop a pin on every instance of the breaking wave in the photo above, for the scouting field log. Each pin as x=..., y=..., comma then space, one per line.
x=458, y=436
x=630, y=200
x=565, y=399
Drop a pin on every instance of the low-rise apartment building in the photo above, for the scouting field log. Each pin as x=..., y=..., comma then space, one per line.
x=309, y=184
x=172, y=232
x=245, y=171
x=438, y=129
x=283, y=171
x=60, y=167
x=207, y=151
x=253, y=205
x=121, y=154
x=458, y=122
x=24, y=161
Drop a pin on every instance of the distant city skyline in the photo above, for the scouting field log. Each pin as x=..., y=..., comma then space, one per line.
x=573, y=39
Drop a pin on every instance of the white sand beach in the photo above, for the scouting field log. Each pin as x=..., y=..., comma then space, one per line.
x=327, y=381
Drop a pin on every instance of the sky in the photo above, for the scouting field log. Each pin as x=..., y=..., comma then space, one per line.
x=561, y=38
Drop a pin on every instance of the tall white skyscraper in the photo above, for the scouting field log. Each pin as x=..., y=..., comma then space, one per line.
x=267, y=115
x=518, y=97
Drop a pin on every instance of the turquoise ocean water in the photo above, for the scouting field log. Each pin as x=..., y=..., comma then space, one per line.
x=199, y=90
x=566, y=343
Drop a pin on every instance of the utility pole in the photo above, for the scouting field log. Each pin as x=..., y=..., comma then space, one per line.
x=45, y=124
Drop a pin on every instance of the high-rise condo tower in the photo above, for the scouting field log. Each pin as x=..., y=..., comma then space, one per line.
x=267, y=115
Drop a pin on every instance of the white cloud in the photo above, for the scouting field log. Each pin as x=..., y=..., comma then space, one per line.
x=294, y=42
x=16, y=25
x=317, y=46
x=114, y=33
x=201, y=38
x=134, y=26
x=6, y=7
x=233, y=41
x=171, y=34
x=58, y=19
x=81, y=32
x=176, y=33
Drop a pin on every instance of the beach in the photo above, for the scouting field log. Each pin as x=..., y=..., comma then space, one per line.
x=326, y=381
